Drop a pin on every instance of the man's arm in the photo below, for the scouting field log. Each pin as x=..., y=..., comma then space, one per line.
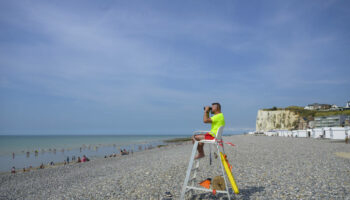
x=206, y=118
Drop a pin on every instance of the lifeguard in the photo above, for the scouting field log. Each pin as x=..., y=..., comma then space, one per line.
x=216, y=121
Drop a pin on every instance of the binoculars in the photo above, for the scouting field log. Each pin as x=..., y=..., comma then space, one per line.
x=209, y=108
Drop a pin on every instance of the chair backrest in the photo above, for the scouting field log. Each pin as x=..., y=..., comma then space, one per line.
x=219, y=133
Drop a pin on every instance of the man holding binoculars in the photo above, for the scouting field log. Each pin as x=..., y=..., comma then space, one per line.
x=216, y=121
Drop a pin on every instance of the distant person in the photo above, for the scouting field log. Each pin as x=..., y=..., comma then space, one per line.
x=79, y=159
x=13, y=170
x=42, y=166
x=67, y=159
x=64, y=162
x=83, y=159
x=124, y=152
x=216, y=121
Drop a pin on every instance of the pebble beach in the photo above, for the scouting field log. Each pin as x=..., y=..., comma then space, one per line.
x=264, y=168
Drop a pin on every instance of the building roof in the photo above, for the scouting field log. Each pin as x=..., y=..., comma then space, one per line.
x=318, y=104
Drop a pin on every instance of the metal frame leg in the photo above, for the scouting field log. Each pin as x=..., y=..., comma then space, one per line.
x=223, y=173
x=210, y=160
x=189, y=169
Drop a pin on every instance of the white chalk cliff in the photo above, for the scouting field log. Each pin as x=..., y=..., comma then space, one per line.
x=276, y=119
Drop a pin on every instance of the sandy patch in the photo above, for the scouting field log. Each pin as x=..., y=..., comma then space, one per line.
x=343, y=154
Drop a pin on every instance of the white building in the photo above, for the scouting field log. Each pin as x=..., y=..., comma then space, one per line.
x=330, y=121
x=339, y=133
x=317, y=106
x=334, y=107
x=347, y=104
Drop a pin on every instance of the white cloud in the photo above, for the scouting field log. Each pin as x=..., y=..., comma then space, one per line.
x=81, y=56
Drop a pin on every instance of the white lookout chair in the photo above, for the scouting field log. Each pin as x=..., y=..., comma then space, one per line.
x=189, y=183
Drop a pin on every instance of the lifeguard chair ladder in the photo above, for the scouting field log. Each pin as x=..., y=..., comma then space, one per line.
x=190, y=188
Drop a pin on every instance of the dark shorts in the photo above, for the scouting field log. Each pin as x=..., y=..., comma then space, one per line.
x=207, y=136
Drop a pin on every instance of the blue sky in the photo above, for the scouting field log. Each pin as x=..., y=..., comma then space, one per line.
x=149, y=67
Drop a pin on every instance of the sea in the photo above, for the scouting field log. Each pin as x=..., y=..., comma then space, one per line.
x=23, y=151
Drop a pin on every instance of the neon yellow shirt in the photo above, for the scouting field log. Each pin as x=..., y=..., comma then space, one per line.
x=217, y=121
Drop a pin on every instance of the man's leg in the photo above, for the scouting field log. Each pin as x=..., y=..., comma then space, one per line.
x=194, y=137
x=200, y=147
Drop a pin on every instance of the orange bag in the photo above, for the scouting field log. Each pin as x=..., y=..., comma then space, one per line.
x=206, y=183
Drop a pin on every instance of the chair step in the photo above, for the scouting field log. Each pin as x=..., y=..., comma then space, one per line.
x=193, y=179
x=194, y=169
x=206, y=190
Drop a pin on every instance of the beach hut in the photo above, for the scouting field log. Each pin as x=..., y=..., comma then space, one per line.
x=295, y=133
x=313, y=133
x=328, y=132
x=301, y=133
x=339, y=133
x=281, y=133
x=317, y=132
x=270, y=133
x=289, y=133
x=284, y=133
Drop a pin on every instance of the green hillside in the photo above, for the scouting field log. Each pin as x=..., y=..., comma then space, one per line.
x=310, y=113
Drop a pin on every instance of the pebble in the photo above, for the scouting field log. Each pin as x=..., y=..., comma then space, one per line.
x=264, y=168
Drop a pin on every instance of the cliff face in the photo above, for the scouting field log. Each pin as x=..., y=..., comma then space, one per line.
x=277, y=119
